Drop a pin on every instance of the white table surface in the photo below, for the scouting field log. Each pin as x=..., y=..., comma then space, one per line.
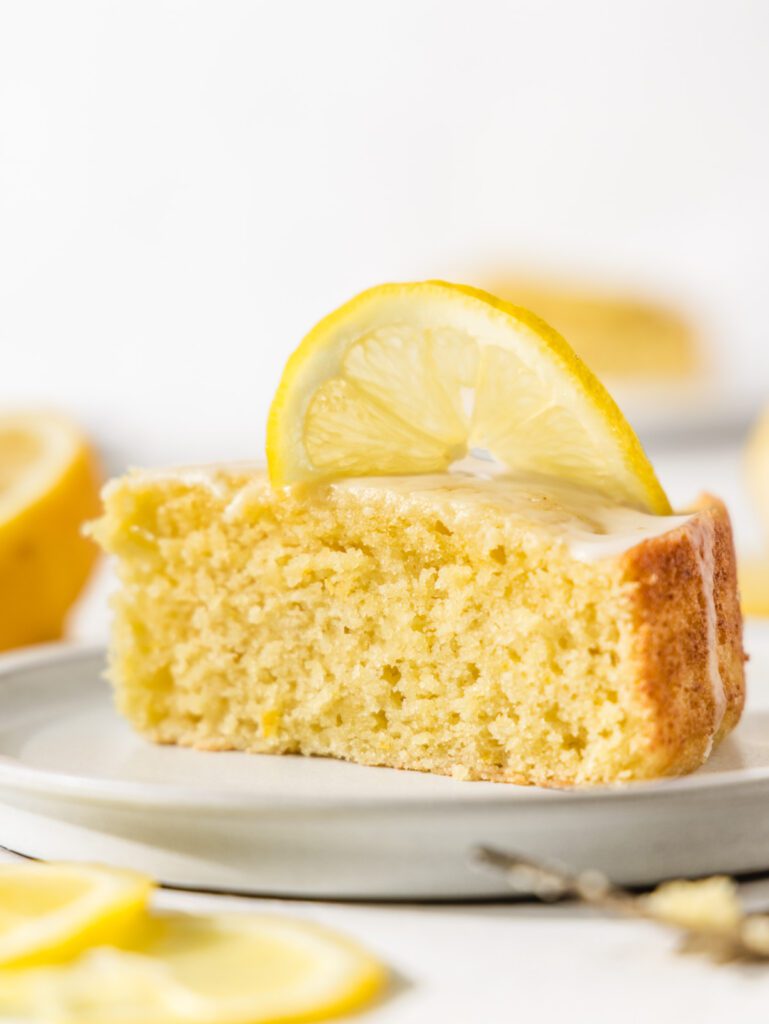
x=503, y=962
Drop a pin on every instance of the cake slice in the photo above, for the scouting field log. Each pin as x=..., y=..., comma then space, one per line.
x=541, y=617
x=499, y=629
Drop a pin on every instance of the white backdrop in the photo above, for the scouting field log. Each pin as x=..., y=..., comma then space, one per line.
x=186, y=187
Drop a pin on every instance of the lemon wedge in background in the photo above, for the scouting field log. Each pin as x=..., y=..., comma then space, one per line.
x=757, y=465
x=49, y=486
x=409, y=378
x=228, y=969
x=51, y=912
x=754, y=572
x=753, y=576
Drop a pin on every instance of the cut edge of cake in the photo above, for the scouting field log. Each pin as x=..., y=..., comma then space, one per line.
x=391, y=627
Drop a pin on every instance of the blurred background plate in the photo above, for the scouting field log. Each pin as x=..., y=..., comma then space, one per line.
x=76, y=783
x=697, y=415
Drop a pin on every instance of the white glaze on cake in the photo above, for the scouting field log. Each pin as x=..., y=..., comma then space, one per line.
x=590, y=526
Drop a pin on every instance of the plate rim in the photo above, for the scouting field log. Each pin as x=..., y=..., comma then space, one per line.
x=21, y=778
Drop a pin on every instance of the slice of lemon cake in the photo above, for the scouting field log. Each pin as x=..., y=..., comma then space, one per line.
x=486, y=629
x=542, y=619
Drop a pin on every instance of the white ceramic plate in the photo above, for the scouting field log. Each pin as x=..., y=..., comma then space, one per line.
x=76, y=783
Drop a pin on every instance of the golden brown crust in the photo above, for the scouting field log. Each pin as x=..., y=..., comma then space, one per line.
x=671, y=594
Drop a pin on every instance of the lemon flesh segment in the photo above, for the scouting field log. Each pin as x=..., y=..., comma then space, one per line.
x=400, y=390
x=407, y=378
x=227, y=969
x=51, y=912
x=49, y=486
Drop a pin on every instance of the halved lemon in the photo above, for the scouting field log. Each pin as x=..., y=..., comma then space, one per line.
x=229, y=969
x=409, y=378
x=49, y=486
x=51, y=912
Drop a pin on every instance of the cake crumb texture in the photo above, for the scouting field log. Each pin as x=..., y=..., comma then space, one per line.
x=392, y=629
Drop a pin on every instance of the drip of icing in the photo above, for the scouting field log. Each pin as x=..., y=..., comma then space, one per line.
x=704, y=548
x=238, y=505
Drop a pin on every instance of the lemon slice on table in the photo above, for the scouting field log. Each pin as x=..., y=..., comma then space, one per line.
x=51, y=912
x=409, y=378
x=228, y=969
x=49, y=486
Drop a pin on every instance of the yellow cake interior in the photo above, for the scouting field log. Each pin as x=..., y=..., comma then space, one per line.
x=478, y=628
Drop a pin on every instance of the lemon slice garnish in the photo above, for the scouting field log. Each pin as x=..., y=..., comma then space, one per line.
x=409, y=378
x=51, y=912
x=49, y=485
x=228, y=969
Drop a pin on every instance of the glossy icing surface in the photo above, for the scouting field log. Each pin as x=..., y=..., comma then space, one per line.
x=591, y=527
